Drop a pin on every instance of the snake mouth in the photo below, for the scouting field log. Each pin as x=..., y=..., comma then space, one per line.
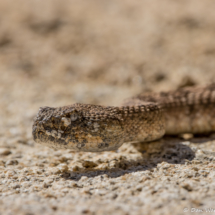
x=76, y=142
x=41, y=136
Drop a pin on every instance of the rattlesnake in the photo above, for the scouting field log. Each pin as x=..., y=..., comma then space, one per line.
x=145, y=117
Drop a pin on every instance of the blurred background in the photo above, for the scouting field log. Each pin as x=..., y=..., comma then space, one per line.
x=55, y=53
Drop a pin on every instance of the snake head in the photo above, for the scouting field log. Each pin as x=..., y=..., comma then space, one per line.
x=78, y=127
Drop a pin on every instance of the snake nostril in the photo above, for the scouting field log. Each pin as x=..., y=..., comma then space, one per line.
x=34, y=129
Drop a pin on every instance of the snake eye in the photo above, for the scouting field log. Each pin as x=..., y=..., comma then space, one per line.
x=66, y=121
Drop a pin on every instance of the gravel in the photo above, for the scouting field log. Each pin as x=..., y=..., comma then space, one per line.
x=100, y=52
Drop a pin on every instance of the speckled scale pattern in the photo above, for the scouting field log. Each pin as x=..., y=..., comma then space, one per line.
x=187, y=110
x=146, y=117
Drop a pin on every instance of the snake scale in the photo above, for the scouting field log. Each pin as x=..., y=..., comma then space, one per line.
x=145, y=117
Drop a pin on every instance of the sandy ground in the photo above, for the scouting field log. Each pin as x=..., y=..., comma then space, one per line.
x=55, y=53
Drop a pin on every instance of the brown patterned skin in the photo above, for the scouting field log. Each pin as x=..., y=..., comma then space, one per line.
x=146, y=117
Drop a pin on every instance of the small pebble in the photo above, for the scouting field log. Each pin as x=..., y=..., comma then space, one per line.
x=11, y=162
x=4, y=152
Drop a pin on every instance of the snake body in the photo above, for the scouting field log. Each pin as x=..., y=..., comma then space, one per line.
x=145, y=117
